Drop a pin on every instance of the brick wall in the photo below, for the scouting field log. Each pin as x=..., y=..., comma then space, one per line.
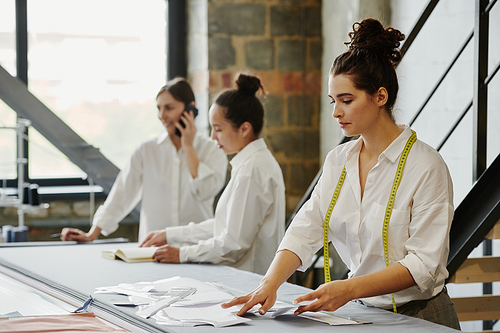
x=279, y=41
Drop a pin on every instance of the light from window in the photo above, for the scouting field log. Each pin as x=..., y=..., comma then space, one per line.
x=97, y=65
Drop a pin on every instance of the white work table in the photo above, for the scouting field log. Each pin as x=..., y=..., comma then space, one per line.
x=73, y=272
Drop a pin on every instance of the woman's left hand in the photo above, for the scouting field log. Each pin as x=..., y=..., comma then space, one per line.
x=329, y=297
x=167, y=254
x=155, y=238
x=189, y=131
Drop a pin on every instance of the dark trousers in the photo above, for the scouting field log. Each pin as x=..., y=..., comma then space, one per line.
x=438, y=309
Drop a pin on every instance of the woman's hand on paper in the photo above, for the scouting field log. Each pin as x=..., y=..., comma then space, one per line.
x=264, y=294
x=332, y=295
x=167, y=254
x=284, y=264
x=328, y=297
x=155, y=238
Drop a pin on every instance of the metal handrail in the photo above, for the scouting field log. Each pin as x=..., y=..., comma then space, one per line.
x=467, y=108
x=443, y=76
x=455, y=125
x=418, y=25
x=492, y=74
x=490, y=6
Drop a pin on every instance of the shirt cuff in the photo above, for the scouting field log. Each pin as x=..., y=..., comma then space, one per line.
x=175, y=234
x=419, y=272
x=183, y=254
x=107, y=225
x=196, y=185
x=204, y=171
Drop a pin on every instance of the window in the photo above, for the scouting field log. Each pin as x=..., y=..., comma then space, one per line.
x=97, y=65
x=8, y=168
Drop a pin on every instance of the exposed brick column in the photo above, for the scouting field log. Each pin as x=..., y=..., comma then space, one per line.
x=279, y=41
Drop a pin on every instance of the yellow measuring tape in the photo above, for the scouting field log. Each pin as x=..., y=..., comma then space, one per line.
x=388, y=211
x=326, y=255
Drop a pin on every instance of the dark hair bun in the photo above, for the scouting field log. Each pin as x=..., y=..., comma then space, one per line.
x=370, y=34
x=248, y=85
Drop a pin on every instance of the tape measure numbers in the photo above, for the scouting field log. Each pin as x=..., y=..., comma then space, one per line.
x=387, y=216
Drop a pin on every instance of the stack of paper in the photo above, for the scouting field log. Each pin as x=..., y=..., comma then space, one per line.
x=179, y=302
x=188, y=302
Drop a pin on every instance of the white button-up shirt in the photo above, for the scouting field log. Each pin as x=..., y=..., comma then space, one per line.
x=249, y=219
x=158, y=176
x=418, y=235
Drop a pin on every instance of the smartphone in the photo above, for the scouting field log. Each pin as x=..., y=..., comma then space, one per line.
x=189, y=107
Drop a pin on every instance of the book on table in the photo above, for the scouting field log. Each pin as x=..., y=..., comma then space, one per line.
x=137, y=254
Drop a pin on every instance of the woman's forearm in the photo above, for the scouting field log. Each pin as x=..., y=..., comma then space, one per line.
x=192, y=160
x=284, y=264
x=389, y=280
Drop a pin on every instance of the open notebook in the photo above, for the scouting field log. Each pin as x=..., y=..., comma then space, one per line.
x=137, y=254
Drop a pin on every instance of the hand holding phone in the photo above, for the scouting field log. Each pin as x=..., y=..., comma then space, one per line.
x=189, y=107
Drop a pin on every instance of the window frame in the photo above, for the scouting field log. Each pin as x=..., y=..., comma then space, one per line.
x=176, y=66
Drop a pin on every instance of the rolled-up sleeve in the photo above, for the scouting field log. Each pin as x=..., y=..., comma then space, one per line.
x=123, y=197
x=432, y=213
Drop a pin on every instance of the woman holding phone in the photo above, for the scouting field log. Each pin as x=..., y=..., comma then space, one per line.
x=175, y=176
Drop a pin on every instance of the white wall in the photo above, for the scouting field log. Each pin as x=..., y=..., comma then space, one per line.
x=338, y=18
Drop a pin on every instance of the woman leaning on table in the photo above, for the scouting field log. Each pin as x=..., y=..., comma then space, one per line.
x=175, y=175
x=249, y=218
x=363, y=87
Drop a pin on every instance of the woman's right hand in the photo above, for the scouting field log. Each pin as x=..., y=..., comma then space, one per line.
x=284, y=264
x=155, y=238
x=264, y=294
x=72, y=234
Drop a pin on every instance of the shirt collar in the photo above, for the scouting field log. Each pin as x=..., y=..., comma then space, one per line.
x=162, y=137
x=396, y=147
x=392, y=152
x=244, y=154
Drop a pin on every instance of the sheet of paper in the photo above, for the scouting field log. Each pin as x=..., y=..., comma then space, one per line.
x=199, y=314
x=14, y=299
x=130, y=289
x=204, y=291
x=325, y=317
x=150, y=309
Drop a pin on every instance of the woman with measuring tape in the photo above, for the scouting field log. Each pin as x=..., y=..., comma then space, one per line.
x=385, y=200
